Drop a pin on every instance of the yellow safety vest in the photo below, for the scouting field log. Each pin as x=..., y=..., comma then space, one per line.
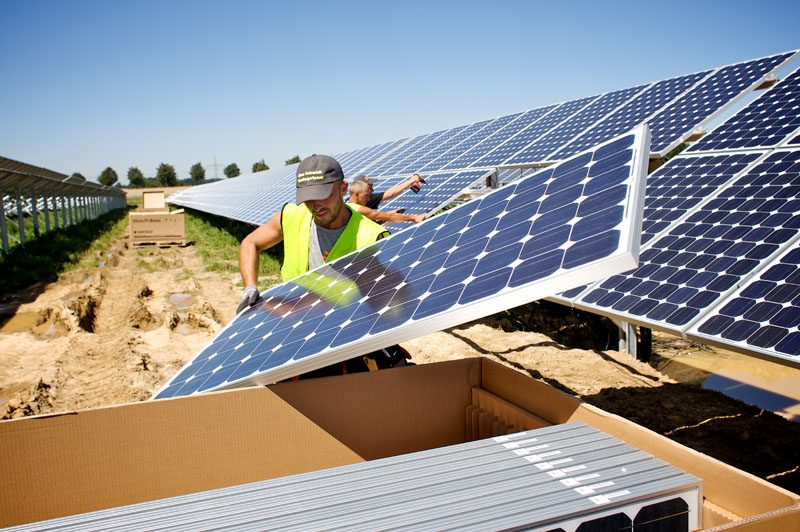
x=296, y=225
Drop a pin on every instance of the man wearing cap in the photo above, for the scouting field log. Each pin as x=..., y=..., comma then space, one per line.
x=366, y=200
x=318, y=228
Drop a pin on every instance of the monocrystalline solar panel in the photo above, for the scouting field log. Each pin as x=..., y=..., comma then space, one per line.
x=562, y=477
x=763, y=316
x=700, y=261
x=569, y=224
x=708, y=99
x=402, y=151
x=409, y=164
x=420, y=164
x=794, y=142
x=633, y=113
x=518, y=134
x=553, y=139
x=764, y=123
x=406, y=154
x=494, y=155
x=371, y=157
x=683, y=183
x=452, y=159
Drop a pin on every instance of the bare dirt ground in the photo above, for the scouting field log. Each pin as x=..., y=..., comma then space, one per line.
x=115, y=332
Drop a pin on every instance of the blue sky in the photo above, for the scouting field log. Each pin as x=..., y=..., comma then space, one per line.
x=95, y=83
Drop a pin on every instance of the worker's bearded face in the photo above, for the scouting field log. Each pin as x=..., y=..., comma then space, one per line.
x=328, y=212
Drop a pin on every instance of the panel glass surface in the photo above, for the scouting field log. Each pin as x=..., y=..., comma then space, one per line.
x=568, y=224
x=764, y=314
x=480, y=134
x=406, y=154
x=467, y=158
x=370, y=157
x=673, y=124
x=409, y=165
x=765, y=122
x=438, y=191
x=683, y=183
x=528, y=135
x=631, y=114
x=554, y=139
x=696, y=264
x=424, y=160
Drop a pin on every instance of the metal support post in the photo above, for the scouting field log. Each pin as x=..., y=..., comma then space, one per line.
x=627, y=338
x=20, y=214
x=3, y=228
x=35, y=213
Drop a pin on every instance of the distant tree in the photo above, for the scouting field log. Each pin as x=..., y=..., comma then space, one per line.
x=166, y=176
x=76, y=175
x=260, y=166
x=107, y=177
x=293, y=160
x=197, y=172
x=232, y=170
x=135, y=177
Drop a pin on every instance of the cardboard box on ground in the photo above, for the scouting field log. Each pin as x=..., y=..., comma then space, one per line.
x=106, y=457
x=153, y=223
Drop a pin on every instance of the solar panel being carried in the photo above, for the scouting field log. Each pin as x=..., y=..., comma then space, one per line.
x=563, y=226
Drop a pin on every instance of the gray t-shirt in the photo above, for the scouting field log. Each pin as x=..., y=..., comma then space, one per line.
x=321, y=244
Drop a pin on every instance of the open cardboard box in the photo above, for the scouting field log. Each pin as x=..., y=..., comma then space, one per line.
x=77, y=462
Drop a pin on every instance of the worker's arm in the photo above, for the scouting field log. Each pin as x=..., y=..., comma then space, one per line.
x=263, y=237
x=400, y=187
x=388, y=216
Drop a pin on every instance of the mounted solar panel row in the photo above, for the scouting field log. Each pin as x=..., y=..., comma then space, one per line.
x=765, y=123
x=408, y=151
x=566, y=225
x=376, y=153
x=686, y=272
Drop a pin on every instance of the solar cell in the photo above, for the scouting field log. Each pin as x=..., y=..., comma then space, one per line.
x=794, y=142
x=562, y=133
x=672, y=125
x=764, y=123
x=635, y=112
x=371, y=156
x=762, y=316
x=684, y=182
x=497, y=153
x=697, y=263
x=568, y=224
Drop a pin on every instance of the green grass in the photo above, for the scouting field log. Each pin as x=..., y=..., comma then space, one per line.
x=217, y=242
x=43, y=258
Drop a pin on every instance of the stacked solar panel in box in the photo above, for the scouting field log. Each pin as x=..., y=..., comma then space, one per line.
x=567, y=225
x=563, y=477
x=763, y=124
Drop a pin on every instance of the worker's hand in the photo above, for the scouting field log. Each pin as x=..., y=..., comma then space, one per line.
x=249, y=298
x=419, y=218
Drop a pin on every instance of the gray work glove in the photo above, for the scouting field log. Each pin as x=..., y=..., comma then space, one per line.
x=249, y=298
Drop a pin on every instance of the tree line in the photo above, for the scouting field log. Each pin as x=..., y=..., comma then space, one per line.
x=167, y=177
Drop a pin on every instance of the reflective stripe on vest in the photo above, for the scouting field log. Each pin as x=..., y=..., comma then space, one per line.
x=296, y=225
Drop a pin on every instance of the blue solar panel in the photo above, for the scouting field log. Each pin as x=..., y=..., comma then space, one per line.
x=684, y=182
x=794, y=142
x=408, y=152
x=564, y=132
x=421, y=163
x=565, y=225
x=409, y=164
x=547, y=122
x=632, y=113
x=251, y=198
x=466, y=159
x=765, y=122
x=440, y=162
x=371, y=156
x=762, y=316
x=699, y=261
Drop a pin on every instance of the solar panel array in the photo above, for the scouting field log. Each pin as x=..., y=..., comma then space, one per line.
x=718, y=230
x=569, y=223
x=674, y=108
x=568, y=477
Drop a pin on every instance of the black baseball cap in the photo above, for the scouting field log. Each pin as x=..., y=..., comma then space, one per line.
x=316, y=176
